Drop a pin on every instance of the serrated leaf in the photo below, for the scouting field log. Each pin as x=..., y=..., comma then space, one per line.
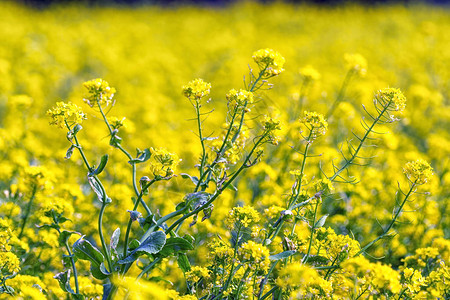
x=321, y=222
x=142, y=157
x=183, y=262
x=114, y=239
x=152, y=245
x=282, y=255
x=176, y=244
x=101, y=166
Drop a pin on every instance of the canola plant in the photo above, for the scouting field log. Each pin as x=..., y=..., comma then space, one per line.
x=316, y=167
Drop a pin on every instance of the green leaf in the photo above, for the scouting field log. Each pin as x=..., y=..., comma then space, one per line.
x=65, y=235
x=69, y=152
x=176, y=244
x=300, y=204
x=142, y=156
x=115, y=239
x=152, y=245
x=194, y=179
x=183, y=262
x=98, y=190
x=101, y=166
x=317, y=259
x=84, y=250
x=321, y=222
x=64, y=281
x=282, y=255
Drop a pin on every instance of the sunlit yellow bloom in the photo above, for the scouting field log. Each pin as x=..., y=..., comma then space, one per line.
x=240, y=97
x=256, y=255
x=196, y=273
x=163, y=163
x=138, y=290
x=391, y=97
x=270, y=61
x=418, y=172
x=99, y=92
x=315, y=122
x=66, y=112
x=196, y=89
x=242, y=216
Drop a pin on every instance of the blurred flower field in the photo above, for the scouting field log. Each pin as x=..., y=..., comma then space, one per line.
x=323, y=205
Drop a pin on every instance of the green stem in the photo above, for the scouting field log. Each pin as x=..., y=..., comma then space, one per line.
x=202, y=142
x=74, y=269
x=219, y=191
x=368, y=131
x=148, y=268
x=223, y=146
x=28, y=211
x=266, y=278
x=128, y=155
x=313, y=227
x=385, y=232
x=130, y=221
x=100, y=232
x=266, y=295
x=241, y=283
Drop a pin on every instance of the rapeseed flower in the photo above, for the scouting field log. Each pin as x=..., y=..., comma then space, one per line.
x=418, y=172
x=269, y=61
x=64, y=113
x=196, y=89
x=98, y=91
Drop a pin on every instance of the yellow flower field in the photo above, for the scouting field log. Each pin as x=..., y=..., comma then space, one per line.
x=242, y=152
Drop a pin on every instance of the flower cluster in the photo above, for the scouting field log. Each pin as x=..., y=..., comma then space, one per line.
x=256, y=255
x=269, y=61
x=66, y=114
x=163, y=163
x=196, y=89
x=244, y=216
x=315, y=122
x=239, y=98
x=196, y=273
x=418, y=172
x=391, y=97
x=9, y=262
x=356, y=63
x=98, y=92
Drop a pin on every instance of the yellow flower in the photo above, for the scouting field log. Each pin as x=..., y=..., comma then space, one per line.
x=242, y=216
x=269, y=61
x=256, y=255
x=418, y=172
x=66, y=112
x=196, y=89
x=239, y=98
x=315, y=122
x=99, y=92
x=391, y=97
x=196, y=273
x=138, y=290
x=163, y=163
